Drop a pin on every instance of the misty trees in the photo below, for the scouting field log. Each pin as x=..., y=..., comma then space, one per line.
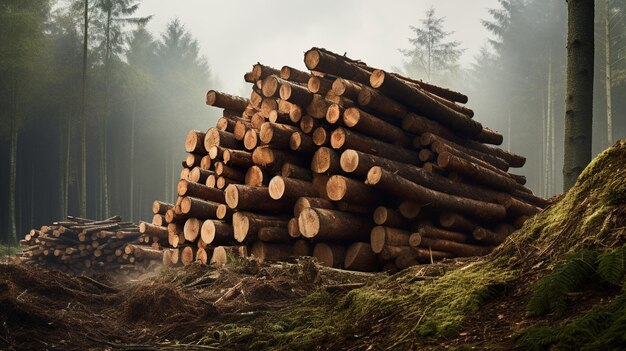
x=579, y=97
x=21, y=32
x=432, y=55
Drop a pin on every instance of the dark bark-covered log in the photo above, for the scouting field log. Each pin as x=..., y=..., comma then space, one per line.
x=241, y=126
x=515, y=207
x=216, y=232
x=340, y=188
x=301, y=143
x=429, y=231
x=260, y=72
x=426, y=155
x=406, y=189
x=270, y=86
x=410, y=209
x=245, y=197
x=321, y=60
x=344, y=139
x=295, y=93
x=381, y=236
x=389, y=218
x=375, y=101
x=458, y=249
x=319, y=85
x=360, y=257
x=271, y=252
x=194, y=142
x=455, y=221
x=216, y=137
x=292, y=171
x=226, y=101
x=475, y=172
x=318, y=107
x=161, y=207
x=294, y=75
x=281, y=118
x=330, y=255
x=330, y=225
x=229, y=172
x=186, y=188
x=519, y=221
x=255, y=176
x=289, y=189
x=359, y=163
x=488, y=236
x=199, y=175
x=246, y=225
x=347, y=88
x=273, y=159
x=276, y=135
x=226, y=124
x=417, y=99
x=308, y=202
x=439, y=144
x=373, y=126
x=153, y=230
x=237, y=158
x=194, y=207
x=193, y=160
x=326, y=161
x=275, y=235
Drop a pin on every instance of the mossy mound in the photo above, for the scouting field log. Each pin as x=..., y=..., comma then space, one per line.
x=425, y=305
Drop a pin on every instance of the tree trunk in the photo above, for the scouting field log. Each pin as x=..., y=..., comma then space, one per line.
x=132, y=162
x=13, y=167
x=579, y=97
x=83, y=118
x=607, y=79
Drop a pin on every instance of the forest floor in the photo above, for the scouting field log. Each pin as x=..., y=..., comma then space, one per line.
x=556, y=284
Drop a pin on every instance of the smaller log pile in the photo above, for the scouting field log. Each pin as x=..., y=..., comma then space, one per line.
x=361, y=168
x=80, y=245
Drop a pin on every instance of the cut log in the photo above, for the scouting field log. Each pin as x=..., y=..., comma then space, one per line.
x=229, y=172
x=429, y=231
x=330, y=225
x=295, y=93
x=159, y=219
x=260, y=72
x=360, y=257
x=193, y=160
x=153, y=230
x=373, y=126
x=226, y=101
x=216, y=137
x=290, y=189
x=225, y=124
x=308, y=124
x=301, y=143
x=294, y=75
x=202, y=256
x=245, y=197
x=292, y=171
x=359, y=163
x=216, y=232
x=194, y=207
x=255, y=176
x=271, y=252
x=406, y=189
x=319, y=85
x=223, y=212
x=344, y=139
x=160, y=207
x=372, y=100
x=293, y=229
x=410, y=209
x=246, y=225
x=199, y=175
x=321, y=136
x=458, y=249
x=475, y=172
x=186, y=188
x=440, y=144
x=251, y=139
x=323, y=61
x=381, y=236
x=487, y=236
x=330, y=255
x=194, y=142
x=237, y=158
x=340, y=188
x=187, y=255
x=276, y=135
x=308, y=202
x=211, y=181
x=205, y=162
x=192, y=229
x=295, y=112
x=318, y=107
x=271, y=86
x=344, y=87
x=455, y=221
x=273, y=159
x=416, y=98
x=223, y=182
x=275, y=235
x=389, y=217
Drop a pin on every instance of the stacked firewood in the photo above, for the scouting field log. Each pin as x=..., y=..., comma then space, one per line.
x=81, y=245
x=361, y=168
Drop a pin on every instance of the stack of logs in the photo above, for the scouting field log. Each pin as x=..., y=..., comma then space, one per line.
x=80, y=245
x=362, y=168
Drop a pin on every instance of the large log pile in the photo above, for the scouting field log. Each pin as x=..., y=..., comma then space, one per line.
x=79, y=245
x=362, y=168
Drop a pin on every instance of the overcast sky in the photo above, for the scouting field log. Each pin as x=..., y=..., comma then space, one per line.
x=235, y=34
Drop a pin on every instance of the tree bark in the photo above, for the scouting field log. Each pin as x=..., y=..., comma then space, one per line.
x=579, y=96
